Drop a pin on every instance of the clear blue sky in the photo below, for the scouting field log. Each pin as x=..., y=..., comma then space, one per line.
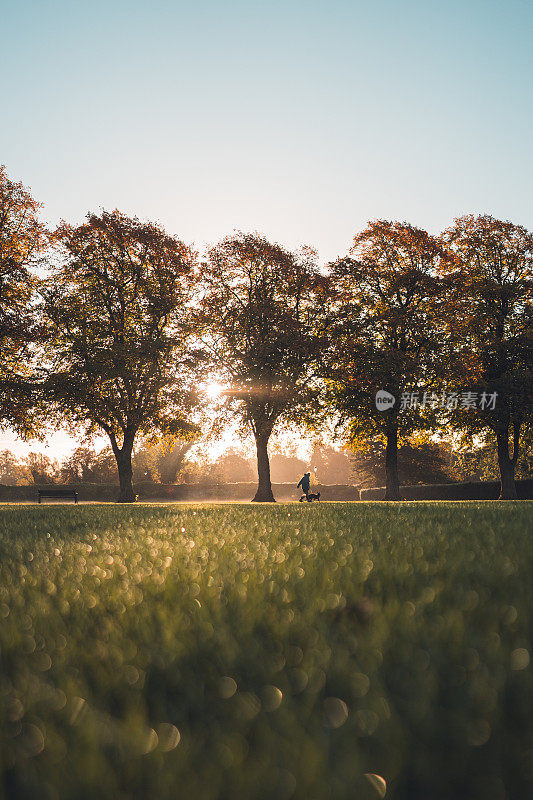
x=299, y=119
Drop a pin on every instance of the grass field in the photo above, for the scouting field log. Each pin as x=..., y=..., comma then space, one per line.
x=251, y=652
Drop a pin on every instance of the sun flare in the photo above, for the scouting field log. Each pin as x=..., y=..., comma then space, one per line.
x=213, y=390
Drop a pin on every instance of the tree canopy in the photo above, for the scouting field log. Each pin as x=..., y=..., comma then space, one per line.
x=127, y=326
x=261, y=315
x=116, y=305
x=490, y=328
x=22, y=242
x=387, y=297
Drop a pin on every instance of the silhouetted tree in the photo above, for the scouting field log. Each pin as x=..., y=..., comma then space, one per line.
x=490, y=315
x=261, y=315
x=22, y=241
x=386, y=299
x=119, y=327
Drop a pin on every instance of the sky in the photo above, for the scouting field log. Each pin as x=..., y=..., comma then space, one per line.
x=302, y=120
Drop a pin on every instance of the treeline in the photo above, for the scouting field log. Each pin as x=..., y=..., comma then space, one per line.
x=422, y=463
x=156, y=464
x=117, y=327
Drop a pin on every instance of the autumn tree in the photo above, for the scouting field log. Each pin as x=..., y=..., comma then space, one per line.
x=41, y=468
x=13, y=472
x=78, y=466
x=85, y=465
x=116, y=306
x=490, y=314
x=386, y=297
x=261, y=317
x=22, y=240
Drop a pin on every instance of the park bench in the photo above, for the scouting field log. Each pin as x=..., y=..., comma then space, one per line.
x=58, y=493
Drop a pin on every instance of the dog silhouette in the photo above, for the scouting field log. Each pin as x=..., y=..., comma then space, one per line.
x=310, y=497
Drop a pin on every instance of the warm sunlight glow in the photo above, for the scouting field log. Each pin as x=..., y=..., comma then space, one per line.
x=213, y=390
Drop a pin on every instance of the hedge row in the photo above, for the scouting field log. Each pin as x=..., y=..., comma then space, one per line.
x=96, y=492
x=486, y=490
x=167, y=492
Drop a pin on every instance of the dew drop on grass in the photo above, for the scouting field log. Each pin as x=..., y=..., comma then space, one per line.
x=31, y=740
x=169, y=736
x=227, y=687
x=520, y=658
x=271, y=698
x=360, y=684
x=149, y=742
x=335, y=712
x=43, y=662
x=378, y=783
x=131, y=674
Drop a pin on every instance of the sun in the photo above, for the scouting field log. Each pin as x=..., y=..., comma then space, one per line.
x=213, y=390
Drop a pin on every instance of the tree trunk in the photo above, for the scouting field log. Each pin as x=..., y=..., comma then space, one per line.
x=392, y=489
x=125, y=472
x=264, y=487
x=506, y=463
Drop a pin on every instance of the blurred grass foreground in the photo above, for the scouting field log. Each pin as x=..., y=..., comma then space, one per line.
x=342, y=651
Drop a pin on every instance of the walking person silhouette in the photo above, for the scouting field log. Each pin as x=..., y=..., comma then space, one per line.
x=305, y=484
